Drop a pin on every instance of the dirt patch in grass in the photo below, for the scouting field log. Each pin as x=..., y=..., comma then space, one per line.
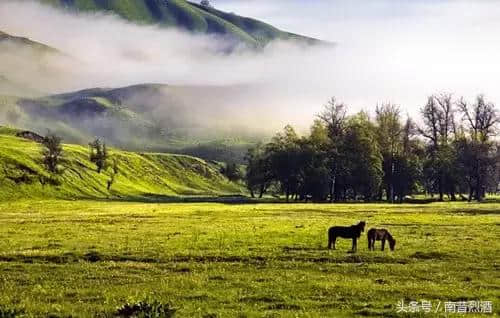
x=432, y=256
x=183, y=270
x=260, y=299
x=301, y=248
x=372, y=313
x=197, y=297
x=474, y=212
x=284, y=306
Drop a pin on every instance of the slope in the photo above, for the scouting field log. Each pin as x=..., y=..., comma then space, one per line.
x=186, y=15
x=140, y=175
x=146, y=117
x=6, y=39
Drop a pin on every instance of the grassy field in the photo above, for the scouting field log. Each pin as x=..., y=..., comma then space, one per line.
x=87, y=258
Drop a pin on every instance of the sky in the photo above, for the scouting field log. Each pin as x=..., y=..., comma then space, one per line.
x=397, y=51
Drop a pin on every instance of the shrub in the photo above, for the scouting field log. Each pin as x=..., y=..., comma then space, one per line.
x=145, y=309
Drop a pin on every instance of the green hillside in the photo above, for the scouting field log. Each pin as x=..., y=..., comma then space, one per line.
x=186, y=15
x=141, y=175
x=146, y=117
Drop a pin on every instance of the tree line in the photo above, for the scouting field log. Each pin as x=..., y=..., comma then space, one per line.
x=452, y=152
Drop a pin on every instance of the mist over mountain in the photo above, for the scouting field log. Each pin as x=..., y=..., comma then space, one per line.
x=212, y=94
x=189, y=16
x=21, y=51
x=238, y=93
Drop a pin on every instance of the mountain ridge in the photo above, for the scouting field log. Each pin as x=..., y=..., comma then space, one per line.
x=186, y=15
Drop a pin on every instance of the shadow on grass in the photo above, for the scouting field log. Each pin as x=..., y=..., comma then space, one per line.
x=95, y=257
x=159, y=198
x=237, y=199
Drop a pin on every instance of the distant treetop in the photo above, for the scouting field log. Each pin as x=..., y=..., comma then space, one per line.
x=205, y=3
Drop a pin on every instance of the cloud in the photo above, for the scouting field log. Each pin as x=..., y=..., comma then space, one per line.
x=398, y=51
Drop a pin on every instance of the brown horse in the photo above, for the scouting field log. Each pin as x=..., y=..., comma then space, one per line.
x=380, y=235
x=353, y=232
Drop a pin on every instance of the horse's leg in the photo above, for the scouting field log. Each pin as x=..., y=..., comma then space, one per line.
x=383, y=244
x=331, y=241
x=354, y=243
x=369, y=244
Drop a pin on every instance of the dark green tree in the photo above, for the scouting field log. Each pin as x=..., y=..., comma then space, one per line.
x=283, y=152
x=98, y=154
x=439, y=128
x=334, y=117
x=363, y=158
x=232, y=171
x=477, y=148
x=52, y=152
x=389, y=138
x=258, y=176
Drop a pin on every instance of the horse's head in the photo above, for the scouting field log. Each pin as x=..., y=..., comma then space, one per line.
x=392, y=244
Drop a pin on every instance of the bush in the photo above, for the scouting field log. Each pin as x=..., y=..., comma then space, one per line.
x=145, y=309
x=9, y=312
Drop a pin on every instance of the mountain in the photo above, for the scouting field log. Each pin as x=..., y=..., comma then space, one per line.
x=144, y=176
x=146, y=117
x=7, y=39
x=188, y=16
x=20, y=53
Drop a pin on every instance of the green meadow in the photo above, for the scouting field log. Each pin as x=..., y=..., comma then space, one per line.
x=88, y=258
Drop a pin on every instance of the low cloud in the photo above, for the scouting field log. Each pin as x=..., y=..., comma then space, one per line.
x=398, y=51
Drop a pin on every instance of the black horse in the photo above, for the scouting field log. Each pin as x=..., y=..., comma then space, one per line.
x=380, y=235
x=353, y=232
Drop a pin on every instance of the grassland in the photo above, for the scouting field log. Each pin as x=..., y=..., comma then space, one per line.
x=141, y=176
x=86, y=258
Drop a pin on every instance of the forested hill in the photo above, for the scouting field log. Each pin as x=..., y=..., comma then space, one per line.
x=188, y=16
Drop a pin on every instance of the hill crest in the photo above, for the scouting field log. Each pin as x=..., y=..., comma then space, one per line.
x=186, y=15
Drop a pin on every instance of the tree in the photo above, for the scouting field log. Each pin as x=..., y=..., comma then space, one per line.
x=477, y=150
x=283, y=153
x=314, y=169
x=363, y=158
x=407, y=172
x=232, y=171
x=114, y=172
x=52, y=152
x=98, y=154
x=439, y=126
x=258, y=176
x=334, y=117
x=389, y=138
x=205, y=3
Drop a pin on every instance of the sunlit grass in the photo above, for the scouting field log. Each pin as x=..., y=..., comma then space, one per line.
x=86, y=258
